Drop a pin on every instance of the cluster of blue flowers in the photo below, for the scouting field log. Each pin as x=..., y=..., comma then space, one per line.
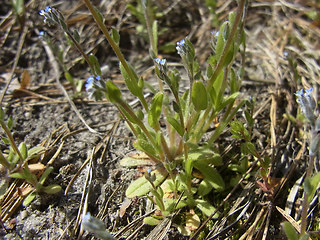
x=182, y=48
x=162, y=65
x=47, y=14
x=93, y=86
x=307, y=104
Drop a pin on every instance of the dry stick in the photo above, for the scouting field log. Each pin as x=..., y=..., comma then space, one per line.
x=15, y=63
x=57, y=74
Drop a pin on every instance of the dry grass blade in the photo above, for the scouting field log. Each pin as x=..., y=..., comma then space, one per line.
x=57, y=75
x=161, y=230
x=245, y=196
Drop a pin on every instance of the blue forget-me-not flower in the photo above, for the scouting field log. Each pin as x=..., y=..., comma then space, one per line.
x=93, y=86
x=182, y=47
x=307, y=104
x=309, y=108
x=162, y=65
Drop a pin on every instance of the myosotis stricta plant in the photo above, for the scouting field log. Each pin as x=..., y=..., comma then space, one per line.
x=179, y=148
x=310, y=110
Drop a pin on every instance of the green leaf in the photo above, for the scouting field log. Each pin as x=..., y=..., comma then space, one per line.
x=115, y=36
x=176, y=125
x=145, y=146
x=52, y=189
x=206, y=156
x=249, y=119
x=113, y=92
x=248, y=147
x=1, y=114
x=290, y=231
x=176, y=107
x=170, y=204
x=155, y=34
x=199, y=96
x=76, y=36
x=217, y=89
x=230, y=99
x=234, y=82
x=95, y=63
x=69, y=78
x=133, y=162
x=29, y=199
x=204, y=188
x=128, y=116
x=155, y=110
x=151, y=221
x=45, y=175
x=220, y=42
x=10, y=123
x=206, y=208
x=23, y=150
x=310, y=185
x=98, y=13
x=19, y=175
x=35, y=151
x=211, y=175
x=132, y=84
x=305, y=236
x=142, y=186
x=4, y=162
x=229, y=56
x=30, y=177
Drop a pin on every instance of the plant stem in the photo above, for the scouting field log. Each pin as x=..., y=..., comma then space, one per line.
x=228, y=44
x=115, y=47
x=305, y=203
x=13, y=144
x=81, y=51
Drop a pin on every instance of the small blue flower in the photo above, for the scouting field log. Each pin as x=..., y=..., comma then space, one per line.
x=48, y=9
x=160, y=61
x=89, y=83
x=42, y=12
x=45, y=11
x=309, y=92
x=215, y=34
x=307, y=104
x=47, y=14
x=181, y=47
x=162, y=65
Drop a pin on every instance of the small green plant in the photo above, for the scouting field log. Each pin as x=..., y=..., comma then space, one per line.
x=310, y=110
x=183, y=151
x=15, y=160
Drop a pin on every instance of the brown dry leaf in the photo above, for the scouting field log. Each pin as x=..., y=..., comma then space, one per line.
x=125, y=204
x=192, y=223
x=24, y=191
x=36, y=168
x=25, y=79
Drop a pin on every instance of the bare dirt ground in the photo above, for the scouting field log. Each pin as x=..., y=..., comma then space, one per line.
x=42, y=114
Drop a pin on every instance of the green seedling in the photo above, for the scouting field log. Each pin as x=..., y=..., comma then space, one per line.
x=37, y=184
x=183, y=151
x=15, y=160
